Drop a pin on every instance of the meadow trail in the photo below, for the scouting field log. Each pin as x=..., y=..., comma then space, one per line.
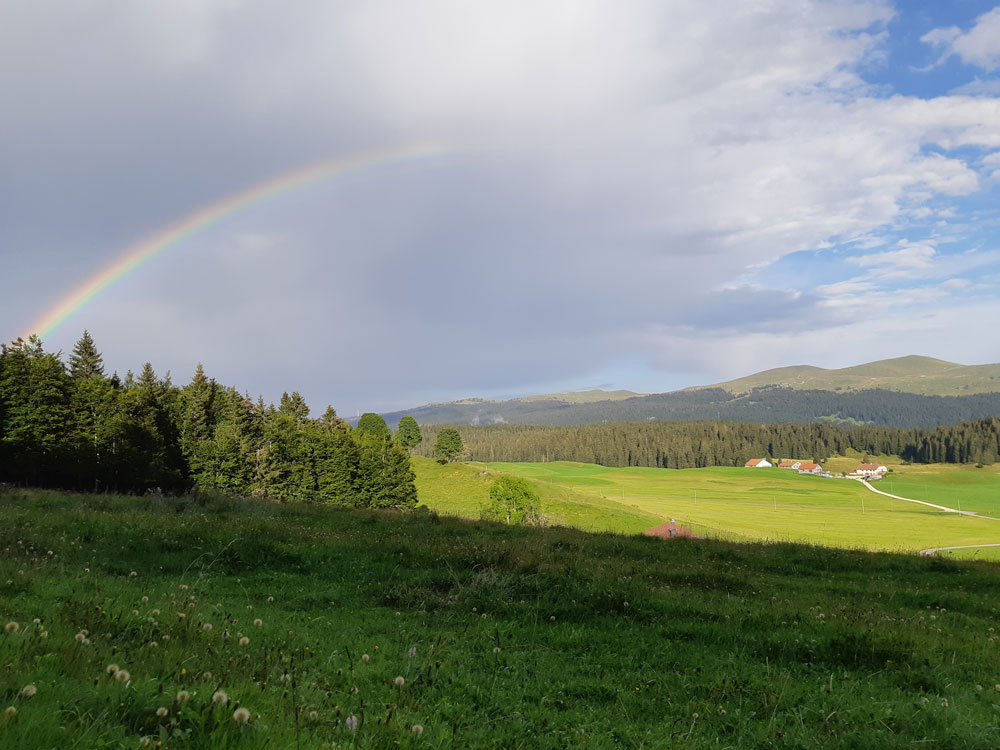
x=934, y=550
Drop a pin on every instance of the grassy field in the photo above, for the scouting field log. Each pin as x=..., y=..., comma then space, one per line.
x=952, y=485
x=125, y=620
x=723, y=502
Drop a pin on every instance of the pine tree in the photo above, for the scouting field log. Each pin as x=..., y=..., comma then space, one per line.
x=385, y=479
x=86, y=361
x=448, y=446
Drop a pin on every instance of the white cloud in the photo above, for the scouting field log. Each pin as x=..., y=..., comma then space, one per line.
x=978, y=46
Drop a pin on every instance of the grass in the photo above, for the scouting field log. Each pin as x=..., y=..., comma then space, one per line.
x=541, y=638
x=953, y=485
x=723, y=502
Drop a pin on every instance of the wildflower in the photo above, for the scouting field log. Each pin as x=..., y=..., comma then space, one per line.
x=112, y=669
x=11, y=627
x=183, y=696
x=412, y=652
x=352, y=723
x=258, y=622
x=241, y=716
x=10, y=712
x=365, y=657
x=244, y=641
x=207, y=627
x=220, y=698
x=122, y=676
x=162, y=711
x=28, y=691
x=400, y=681
x=418, y=730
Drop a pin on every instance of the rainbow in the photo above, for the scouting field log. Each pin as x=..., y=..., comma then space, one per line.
x=148, y=248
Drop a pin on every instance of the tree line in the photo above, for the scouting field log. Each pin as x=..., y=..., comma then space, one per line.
x=683, y=445
x=68, y=425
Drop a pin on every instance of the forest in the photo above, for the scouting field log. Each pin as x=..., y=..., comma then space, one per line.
x=70, y=426
x=768, y=404
x=684, y=445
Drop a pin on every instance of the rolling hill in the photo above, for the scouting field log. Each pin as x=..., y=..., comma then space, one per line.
x=924, y=376
x=903, y=392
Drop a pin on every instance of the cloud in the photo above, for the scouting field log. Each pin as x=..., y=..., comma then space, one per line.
x=979, y=46
x=613, y=174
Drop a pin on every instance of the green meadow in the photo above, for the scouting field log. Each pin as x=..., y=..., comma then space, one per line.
x=722, y=502
x=213, y=622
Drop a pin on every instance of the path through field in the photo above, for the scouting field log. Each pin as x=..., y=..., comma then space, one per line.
x=935, y=550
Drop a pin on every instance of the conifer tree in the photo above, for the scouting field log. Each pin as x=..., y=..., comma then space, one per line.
x=374, y=424
x=86, y=361
x=409, y=433
x=385, y=479
x=448, y=446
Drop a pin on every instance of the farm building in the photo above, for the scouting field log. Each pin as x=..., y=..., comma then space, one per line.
x=758, y=463
x=810, y=468
x=789, y=464
x=870, y=470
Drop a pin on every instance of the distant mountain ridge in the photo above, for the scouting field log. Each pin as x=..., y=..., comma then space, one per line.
x=925, y=376
x=903, y=392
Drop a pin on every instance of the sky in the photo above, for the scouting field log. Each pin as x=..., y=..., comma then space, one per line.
x=646, y=195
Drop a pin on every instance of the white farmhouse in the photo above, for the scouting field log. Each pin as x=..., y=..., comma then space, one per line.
x=758, y=463
x=870, y=470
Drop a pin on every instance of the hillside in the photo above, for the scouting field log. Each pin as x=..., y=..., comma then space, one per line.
x=921, y=375
x=903, y=392
x=331, y=627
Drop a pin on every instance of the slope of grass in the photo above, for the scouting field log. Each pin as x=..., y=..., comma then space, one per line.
x=723, y=502
x=503, y=637
x=461, y=489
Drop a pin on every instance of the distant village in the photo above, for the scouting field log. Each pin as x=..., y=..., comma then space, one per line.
x=867, y=472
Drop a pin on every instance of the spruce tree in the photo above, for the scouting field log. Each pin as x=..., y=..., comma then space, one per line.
x=86, y=361
x=449, y=446
x=373, y=424
x=409, y=433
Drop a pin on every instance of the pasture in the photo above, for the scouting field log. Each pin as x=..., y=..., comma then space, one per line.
x=213, y=622
x=724, y=502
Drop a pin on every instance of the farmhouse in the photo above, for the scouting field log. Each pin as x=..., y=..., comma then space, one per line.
x=758, y=463
x=789, y=464
x=810, y=468
x=870, y=470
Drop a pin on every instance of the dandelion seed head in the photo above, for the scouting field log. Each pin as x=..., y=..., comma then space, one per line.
x=258, y=622
x=207, y=627
x=244, y=641
x=112, y=669
x=80, y=637
x=220, y=698
x=313, y=716
x=11, y=627
x=496, y=649
x=133, y=574
x=241, y=716
x=400, y=681
x=162, y=711
x=270, y=598
x=28, y=691
x=37, y=621
x=145, y=600
x=144, y=742
x=365, y=657
x=10, y=712
x=412, y=652
x=418, y=730
x=183, y=696
x=122, y=675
